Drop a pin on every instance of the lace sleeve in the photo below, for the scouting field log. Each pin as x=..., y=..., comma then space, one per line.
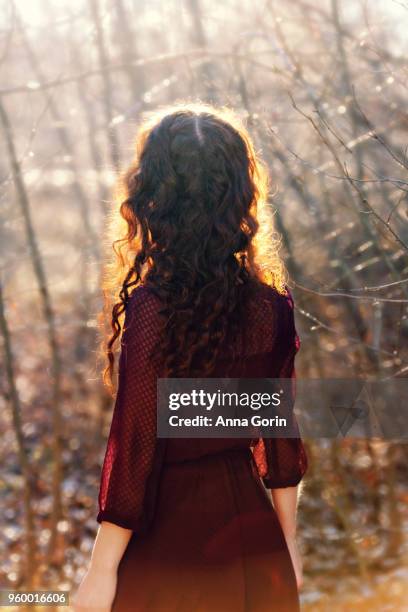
x=130, y=451
x=282, y=462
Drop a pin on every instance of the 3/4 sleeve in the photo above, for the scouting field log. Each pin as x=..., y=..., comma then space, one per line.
x=130, y=452
x=282, y=462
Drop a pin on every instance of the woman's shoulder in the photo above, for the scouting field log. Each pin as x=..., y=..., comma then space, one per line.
x=272, y=297
x=268, y=318
x=272, y=308
x=144, y=303
x=143, y=294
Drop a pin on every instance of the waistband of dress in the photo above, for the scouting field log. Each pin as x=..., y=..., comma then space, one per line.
x=244, y=451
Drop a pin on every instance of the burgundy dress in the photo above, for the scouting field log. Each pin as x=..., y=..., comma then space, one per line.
x=206, y=537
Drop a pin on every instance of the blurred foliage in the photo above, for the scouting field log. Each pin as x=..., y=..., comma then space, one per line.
x=322, y=86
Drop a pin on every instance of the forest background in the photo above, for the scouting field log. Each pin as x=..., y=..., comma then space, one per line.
x=322, y=87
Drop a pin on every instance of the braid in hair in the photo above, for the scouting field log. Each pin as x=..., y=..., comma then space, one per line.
x=190, y=206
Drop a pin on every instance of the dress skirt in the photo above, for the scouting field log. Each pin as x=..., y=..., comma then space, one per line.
x=215, y=545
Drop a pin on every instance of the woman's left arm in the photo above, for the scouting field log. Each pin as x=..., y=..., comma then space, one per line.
x=98, y=587
x=129, y=455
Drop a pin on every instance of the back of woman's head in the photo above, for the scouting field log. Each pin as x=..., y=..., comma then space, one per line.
x=193, y=202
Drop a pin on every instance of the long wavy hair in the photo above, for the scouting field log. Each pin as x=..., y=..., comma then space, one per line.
x=191, y=221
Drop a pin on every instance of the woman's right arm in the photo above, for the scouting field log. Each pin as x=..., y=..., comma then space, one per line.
x=282, y=462
x=285, y=503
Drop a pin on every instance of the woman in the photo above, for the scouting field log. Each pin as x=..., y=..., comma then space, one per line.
x=187, y=525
